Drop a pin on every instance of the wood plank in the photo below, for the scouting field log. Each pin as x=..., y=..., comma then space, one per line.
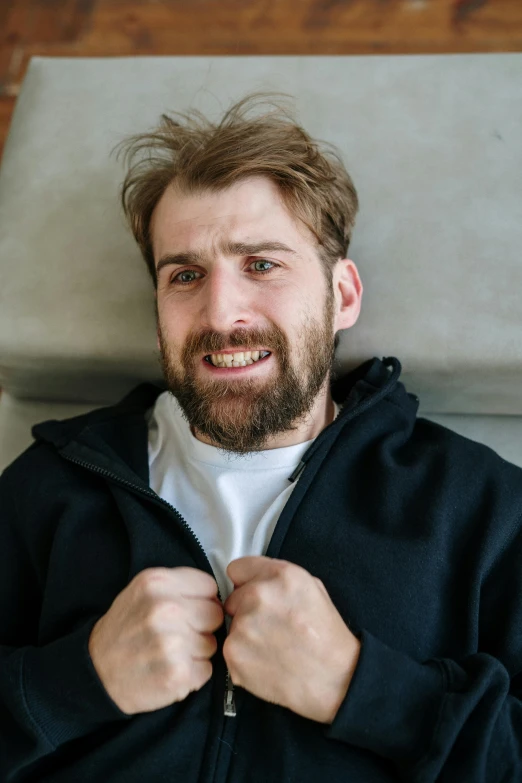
x=15, y=20
x=6, y=110
x=301, y=27
x=86, y=28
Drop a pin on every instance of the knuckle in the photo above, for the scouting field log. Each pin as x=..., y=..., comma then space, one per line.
x=214, y=610
x=177, y=614
x=161, y=648
x=152, y=574
x=255, y=595
x=179, y=673
x=212, y=643
x=321, y=586
x=196, y=578
x=218, y=619
x=147, y=580
x=162, y=615
x=174, y=649
x=155, y=617
x=287, y=573
x=210, y=582
x=230, y=652
x=227, y=649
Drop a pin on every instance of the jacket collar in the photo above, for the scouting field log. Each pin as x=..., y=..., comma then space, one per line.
x=114, y=438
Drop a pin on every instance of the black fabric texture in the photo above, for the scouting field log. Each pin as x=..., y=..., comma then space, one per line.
x=415, y=532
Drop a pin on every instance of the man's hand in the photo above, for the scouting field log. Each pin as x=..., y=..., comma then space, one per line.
x=154, y=645
x=287, y=642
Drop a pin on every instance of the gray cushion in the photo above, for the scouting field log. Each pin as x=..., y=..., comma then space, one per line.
x=433, y=144
x=501, y=433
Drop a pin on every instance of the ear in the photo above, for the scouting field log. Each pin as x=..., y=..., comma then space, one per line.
x=348, y=291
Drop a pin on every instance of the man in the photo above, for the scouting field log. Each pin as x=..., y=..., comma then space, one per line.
x=265, y=571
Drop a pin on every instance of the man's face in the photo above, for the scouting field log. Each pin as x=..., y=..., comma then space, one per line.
x=224, y=300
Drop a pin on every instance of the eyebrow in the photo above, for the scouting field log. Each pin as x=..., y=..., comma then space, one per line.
x=228, y=248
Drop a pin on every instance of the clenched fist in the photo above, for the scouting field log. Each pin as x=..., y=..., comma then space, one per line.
x=152, y=647
x=287, y=643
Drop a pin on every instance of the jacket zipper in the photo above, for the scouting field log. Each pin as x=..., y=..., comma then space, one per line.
x=229, y=700
x=230, y=703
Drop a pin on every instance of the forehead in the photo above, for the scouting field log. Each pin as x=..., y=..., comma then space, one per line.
x=247, y=209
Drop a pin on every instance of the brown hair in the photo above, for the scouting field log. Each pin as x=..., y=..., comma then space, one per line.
x=202, y=156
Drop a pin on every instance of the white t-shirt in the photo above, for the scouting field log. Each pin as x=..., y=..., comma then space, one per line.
x=231, y=502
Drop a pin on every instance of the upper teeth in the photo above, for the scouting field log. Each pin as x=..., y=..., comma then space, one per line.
x=240, y=359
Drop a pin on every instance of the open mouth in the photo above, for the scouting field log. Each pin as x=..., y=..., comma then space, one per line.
x=236, y=363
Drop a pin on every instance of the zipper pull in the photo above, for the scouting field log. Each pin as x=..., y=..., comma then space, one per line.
x=230, y=704
x=297, y=472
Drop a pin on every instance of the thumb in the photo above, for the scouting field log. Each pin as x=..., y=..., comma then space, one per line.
x=244, y=569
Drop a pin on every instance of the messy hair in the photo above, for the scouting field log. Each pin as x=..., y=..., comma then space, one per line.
x=200, y=156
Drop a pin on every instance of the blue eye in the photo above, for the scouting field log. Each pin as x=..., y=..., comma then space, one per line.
x=185, y=272
x=176, y=280
x=262, y=261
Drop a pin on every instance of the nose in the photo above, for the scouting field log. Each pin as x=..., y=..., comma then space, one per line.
x=226, y=302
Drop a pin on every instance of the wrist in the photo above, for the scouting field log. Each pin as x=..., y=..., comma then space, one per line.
x=343, y=683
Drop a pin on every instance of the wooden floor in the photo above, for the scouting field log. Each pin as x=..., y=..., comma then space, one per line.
x=143, y=27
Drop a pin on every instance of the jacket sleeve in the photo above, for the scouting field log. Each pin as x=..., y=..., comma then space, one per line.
x=49, y=694
x=445, y=720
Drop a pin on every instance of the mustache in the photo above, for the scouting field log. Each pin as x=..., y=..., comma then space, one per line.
x=213, y=342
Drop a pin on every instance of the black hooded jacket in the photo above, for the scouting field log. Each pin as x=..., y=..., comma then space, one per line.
x=415, y=532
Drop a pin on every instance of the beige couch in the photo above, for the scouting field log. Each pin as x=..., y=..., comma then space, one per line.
x=433, y=144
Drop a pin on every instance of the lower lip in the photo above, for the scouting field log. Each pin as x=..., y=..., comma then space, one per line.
x=226, y=372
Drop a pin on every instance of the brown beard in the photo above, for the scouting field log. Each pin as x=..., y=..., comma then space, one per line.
x=240, y=415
